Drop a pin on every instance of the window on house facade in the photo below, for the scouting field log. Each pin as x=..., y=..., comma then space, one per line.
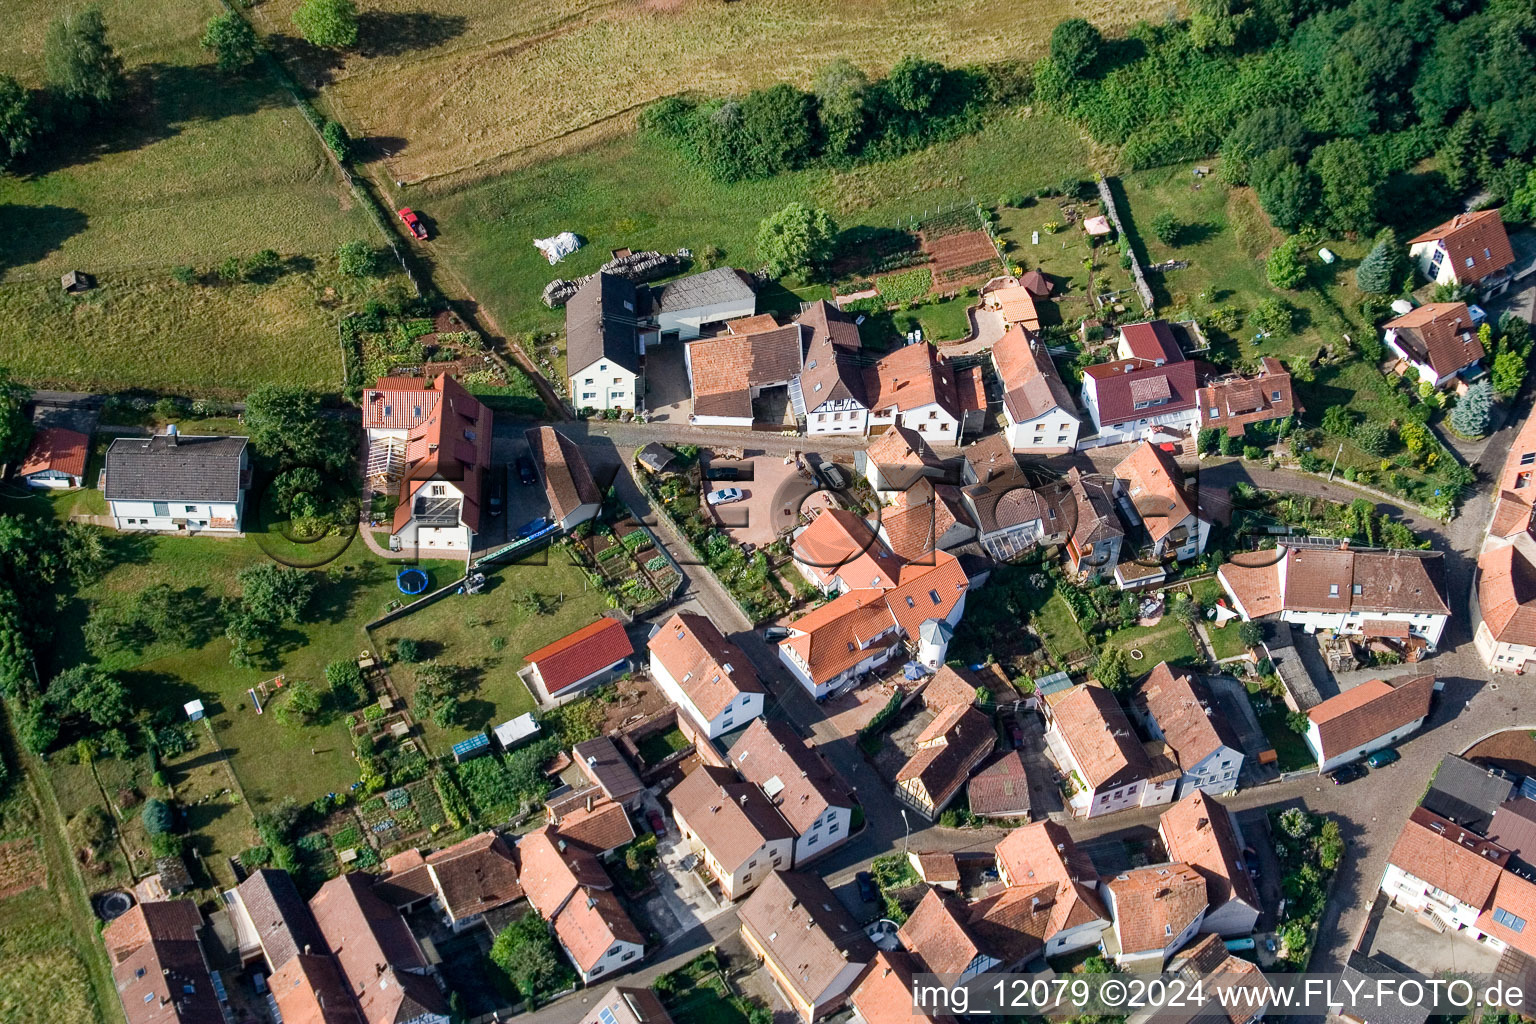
x=1333, y=590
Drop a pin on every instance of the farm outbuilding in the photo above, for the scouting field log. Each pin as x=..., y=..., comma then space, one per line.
x=76, y=281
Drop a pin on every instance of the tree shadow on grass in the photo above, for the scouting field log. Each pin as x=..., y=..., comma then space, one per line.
x=397, y=33
x=1193, y=234
x=33, y=232
x=160, y=101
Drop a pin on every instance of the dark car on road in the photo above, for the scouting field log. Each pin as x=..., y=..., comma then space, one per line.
x=867, y=891
x=658, y=823
x=776, y=633
x=525, y=470
x=497, y=501
x=722, y=473
x=1348, y=773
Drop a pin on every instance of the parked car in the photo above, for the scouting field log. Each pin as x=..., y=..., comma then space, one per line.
x=1348, y=773
x=497, y=502
x=658, y=823
x=408, y=216
x=724, y=496
x=776, y=633
x=830, y=476
x=525, y=470
x=531, y=527
x=867, y=891
x=1016, y=734
x=1383, y=757
x=722, y=473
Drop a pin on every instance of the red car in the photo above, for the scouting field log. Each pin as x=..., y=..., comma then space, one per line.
x=658, y=823
x=413, y=222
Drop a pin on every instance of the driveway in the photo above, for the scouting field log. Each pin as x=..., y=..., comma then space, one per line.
x=668, y=398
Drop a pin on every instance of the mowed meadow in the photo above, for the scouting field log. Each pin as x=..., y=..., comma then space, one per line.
x=473, y=87
x=197, y=166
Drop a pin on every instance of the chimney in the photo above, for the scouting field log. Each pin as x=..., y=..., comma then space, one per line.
x=170, y=435
x=306, y=949
x=589, y=801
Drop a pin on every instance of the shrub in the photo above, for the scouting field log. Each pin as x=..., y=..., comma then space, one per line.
x=407, y=650
x=356, y=259
x=337, y=140
x=1273, y=316
x=157, y=816
x=1373, y=438
x=1167, y=228
x=184, y=275
x=1285, y=267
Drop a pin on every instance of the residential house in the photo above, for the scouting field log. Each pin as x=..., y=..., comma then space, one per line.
x=1151, y=489
x=1013, y=516
x=938, y=936
x=175, y=483
x=990, y=458
x=158, y=965
x=734, y=826
x=1177, y=708
x=1511, y=908
x=601, y=761
x=1470, y=249
x=1443, y=872
x=1394, y=596
x=1041, y=862
x=591, y=819
x=1367, y=717
x=705, y=674
x=885, y=993
x=571, y=891
x=1128, y=398
x=898, y=460
x=838, y=550
x=1038, y=412
x=1439, y=340
x=871, y=623
x=1506, y=596
x=1095, y=537
x=1199, y=832
x=604, y=342
x=1015, y=304
x=914, y=386
x=923, y=519
x=829, y=396
x=624, y=1004
x=799, y=783
x=55, y=459
x=1206, y=963
x=1514, y=828
x=591, y=655
x=444, y=473
x=1156, y=910
x=1001, y=789
x=1234, y=402
x=573, y=495
x=951, y=746
x=727, y=373
x=271, y=919
x=384, y=968
x=815, y=953
x=971, y=390
x=1156, y=341
x=463, y=881
x=309, y=989
x=688, y=305
x=1468, y=794
x=1096, y=746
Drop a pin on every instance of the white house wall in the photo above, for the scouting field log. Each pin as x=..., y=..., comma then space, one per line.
x=1314, y=740
x=686, y=322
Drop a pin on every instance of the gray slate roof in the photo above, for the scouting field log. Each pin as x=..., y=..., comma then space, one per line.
x=600, y=322
x=723, y=284
x=192, y=469
x=1467, y=794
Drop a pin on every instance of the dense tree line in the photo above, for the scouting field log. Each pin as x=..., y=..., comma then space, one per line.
x=1319, y=105
x=846, y=117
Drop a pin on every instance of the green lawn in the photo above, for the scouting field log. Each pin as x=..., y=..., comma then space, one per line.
x=1060, y=257
x=639, y=193
x=356, y=587
x=1058, y=628
x=945, y=321
x=196, y=166
x=464, y=632
x=1224, y=639
x=1290, y=747
x=1168, y=641
x=52, y=967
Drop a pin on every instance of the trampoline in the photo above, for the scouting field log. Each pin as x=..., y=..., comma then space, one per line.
x=411, y=581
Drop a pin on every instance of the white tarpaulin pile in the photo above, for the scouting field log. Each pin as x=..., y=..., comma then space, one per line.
x=559, y=247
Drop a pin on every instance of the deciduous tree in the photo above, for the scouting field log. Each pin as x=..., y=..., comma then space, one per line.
x=328, y=23
x=1075, y=45
x=796, y=240
x=19, y=126
x=79, y=63
x=1349, y=181
x=1285, y=267
x=232, y=41
x=840, y=91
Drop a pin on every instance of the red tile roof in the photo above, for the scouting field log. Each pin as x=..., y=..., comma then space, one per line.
x=1001, y=790
x=553, y=870
x=590, y=649
x=1234, y=402
x=591, y=819
x=832, y=369
x=885, y=994
x=1100, y=737
x=1507, y=595
x=1189, y=722
x=1043, y=861
x=1017, y=306
x=840, y=543
x=1154, y=904
x=399, y=403
x=1479, y=237
x=1155, y=484
x=476, y=875
x=156, y=958
x=452, y=444
x=1198, y=831
x=911, y=377
x=936, y=934
x=1253, y=579
x=711, y=670
x=804, y=930
x=724, y=369
x=1369, y=710
x=953, y=744
x=1439, y=334
x=591, y=923
x=376, y=951
x=1449, y=857
x=567, y=480
x=1516, y=897
x=732, y=818
x=1116, y=382
x=1031, y=385
x=309, y=989
x=1152, y=340
x=64, y=451
x=626, y=1005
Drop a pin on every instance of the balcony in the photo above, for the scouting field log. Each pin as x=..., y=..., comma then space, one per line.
x=436, y=511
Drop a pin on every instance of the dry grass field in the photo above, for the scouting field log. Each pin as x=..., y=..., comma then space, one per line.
x=480, y=86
